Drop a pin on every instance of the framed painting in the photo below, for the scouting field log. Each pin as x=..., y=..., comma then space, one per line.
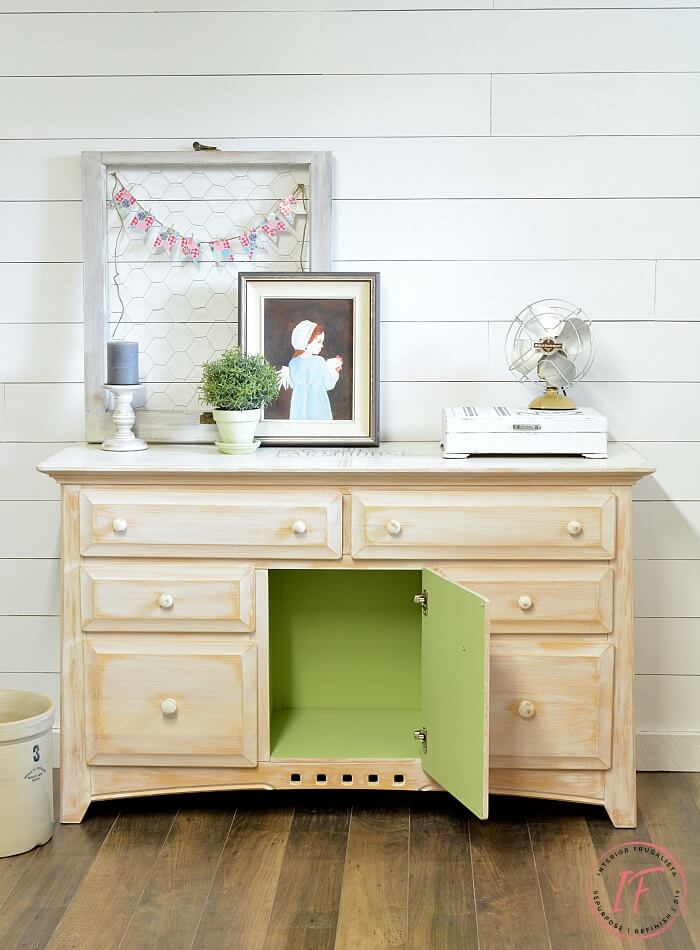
x=164, y=237
x=321, y=332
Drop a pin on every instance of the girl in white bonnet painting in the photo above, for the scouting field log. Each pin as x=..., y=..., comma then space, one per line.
x=309, y=375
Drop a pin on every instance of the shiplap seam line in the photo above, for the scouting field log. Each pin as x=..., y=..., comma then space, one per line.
x=586, y=9
x=473, y=260
x=399, y=382
x=368, y=75
x=434, y=260
x=375, y=198
x=342, y=10
x=611, y=441
x=481, y=321
x=353, y=138
x=234, y=139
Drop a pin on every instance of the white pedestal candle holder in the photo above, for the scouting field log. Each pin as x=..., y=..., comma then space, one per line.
x=123, y=439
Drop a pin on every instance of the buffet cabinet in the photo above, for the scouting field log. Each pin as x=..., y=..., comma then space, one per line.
x=346, y=619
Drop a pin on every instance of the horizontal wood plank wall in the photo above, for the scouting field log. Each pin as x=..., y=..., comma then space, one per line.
x=486, y=154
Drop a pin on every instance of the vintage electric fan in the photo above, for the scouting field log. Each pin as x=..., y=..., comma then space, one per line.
x=551, y=342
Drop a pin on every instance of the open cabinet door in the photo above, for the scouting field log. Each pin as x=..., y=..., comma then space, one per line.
x=455, y=690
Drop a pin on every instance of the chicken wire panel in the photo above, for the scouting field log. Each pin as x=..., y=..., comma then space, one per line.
x=184, y=312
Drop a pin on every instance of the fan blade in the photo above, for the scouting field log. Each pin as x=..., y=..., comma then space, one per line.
x=525, y=361
x=557, y=370
x=575, y=336
x=537, y=326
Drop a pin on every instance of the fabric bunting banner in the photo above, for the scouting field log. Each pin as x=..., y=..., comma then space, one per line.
x=166, y=240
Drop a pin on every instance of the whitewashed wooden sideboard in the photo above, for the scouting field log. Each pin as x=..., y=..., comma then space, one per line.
x=347, y=618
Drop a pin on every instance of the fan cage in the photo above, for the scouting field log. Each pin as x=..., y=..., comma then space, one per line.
x=549, y=308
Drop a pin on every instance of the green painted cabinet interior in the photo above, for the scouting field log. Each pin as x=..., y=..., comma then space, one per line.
x=356, y=668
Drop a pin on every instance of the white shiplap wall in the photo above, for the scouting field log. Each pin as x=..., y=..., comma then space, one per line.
x=486, y=154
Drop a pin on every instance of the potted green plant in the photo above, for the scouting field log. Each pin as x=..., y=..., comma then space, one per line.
x=237, y=385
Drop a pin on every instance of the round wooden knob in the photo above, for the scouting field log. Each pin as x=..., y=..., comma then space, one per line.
x=166, y=601
x=299, y=527
x=393, y=527
x=119, y=525
x=526, y=709
x=168, y=707
x=574, y=528
x=525, y=602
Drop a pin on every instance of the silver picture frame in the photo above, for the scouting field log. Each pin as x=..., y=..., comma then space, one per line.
x=255, y=289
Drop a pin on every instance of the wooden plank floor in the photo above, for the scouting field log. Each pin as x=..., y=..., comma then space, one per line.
x=322, y=870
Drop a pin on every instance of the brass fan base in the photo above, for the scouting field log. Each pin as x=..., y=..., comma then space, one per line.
x=552, y=398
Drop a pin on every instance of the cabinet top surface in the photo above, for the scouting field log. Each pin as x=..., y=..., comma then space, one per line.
x=422, y=459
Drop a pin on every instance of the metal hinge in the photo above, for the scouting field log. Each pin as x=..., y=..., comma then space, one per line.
x=422, y=736
x=422, y=599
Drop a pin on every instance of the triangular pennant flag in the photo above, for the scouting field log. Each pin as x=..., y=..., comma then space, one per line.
x=222, y=250
x=273, y=226
x=190, y=248
x=250, y=242
x=124, y=198
x=142, y=221
x=163, y=242
x=288, y=207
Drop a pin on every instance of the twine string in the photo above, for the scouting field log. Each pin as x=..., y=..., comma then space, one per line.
x=300, y=190
x=115, y=275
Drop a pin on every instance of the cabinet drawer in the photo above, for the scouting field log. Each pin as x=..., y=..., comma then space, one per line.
x=298, y=524
x=198, y=597
x=170, y=701
x=484, y=524
x=570, y=687
x=560, y=597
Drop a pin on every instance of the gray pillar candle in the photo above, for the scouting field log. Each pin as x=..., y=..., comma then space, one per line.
x=122, y=363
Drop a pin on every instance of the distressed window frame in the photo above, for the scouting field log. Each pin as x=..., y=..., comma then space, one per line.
x=176, y=426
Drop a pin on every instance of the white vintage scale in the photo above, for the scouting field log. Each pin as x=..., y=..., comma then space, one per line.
x=499, y=430
x=550, y=342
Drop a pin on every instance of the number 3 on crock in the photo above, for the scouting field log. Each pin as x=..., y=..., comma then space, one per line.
x=455, y=690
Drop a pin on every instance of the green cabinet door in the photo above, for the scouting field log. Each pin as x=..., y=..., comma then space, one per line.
x=455, y=690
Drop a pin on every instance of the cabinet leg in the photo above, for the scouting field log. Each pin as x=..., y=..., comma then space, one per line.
x=74, y=815
x=622, y=818
x=75, y=796
x=76, y=789
x=621, y=778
